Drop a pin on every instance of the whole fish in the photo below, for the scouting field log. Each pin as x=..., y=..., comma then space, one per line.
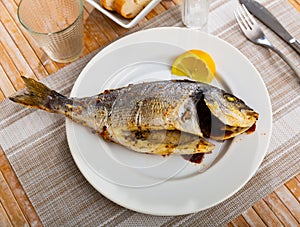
x=161, y=117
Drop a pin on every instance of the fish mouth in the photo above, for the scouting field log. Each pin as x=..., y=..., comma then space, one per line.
x=212, y=127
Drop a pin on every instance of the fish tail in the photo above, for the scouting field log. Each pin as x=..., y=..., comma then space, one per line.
x=37, y=95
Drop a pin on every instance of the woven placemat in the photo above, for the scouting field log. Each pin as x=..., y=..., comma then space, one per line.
x=35, y=142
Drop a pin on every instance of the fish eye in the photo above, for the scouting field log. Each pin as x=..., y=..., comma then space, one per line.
x=230, y=98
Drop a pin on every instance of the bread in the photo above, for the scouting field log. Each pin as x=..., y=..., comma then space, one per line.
x=130, y=8
x=108, y=4
x=127, y=8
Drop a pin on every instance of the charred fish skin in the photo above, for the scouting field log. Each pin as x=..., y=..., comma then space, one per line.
x=166, y=142
x=174, y=105
x=173, y=108
x=156, y=105
x=98, y=112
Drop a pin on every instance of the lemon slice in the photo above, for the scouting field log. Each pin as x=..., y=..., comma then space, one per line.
x=195, y=64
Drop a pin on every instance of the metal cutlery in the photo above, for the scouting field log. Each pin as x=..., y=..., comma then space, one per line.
x=265, y=16
x=254, y=33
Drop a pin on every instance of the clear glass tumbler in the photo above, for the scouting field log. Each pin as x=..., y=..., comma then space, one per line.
x=56, y=25
x=195, y=13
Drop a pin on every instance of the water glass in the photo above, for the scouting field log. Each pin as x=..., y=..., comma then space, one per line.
x=56, y=25
x=195, y=13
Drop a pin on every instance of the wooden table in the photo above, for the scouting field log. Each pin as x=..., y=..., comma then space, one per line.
x=20, y=56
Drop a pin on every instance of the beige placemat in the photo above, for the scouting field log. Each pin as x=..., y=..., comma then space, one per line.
x=36, y=145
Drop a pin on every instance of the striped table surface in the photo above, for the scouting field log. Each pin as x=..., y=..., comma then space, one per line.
x=20, y=56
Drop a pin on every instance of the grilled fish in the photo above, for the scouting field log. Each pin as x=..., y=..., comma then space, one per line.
x=161, y=117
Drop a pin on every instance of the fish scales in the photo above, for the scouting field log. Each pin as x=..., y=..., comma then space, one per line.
x=161, y=117
x=154, y=106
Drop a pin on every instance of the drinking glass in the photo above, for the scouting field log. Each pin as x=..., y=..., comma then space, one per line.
x=56, y=25
x=195, y=13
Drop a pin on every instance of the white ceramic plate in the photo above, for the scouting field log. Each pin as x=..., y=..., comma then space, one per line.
x=169, y=185
x=126, y=23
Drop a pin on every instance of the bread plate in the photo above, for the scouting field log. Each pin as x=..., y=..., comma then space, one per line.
x=125, y=23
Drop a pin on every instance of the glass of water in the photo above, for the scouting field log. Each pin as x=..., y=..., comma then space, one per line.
x=195, y=13
x=56, y=25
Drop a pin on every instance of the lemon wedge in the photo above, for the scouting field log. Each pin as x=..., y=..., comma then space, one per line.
x=195, y=64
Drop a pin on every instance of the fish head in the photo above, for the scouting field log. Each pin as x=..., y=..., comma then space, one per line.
x=231, y=115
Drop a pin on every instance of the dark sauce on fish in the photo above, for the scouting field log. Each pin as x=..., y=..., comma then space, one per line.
x=194, y=158
x=251, y=129
x=209, y=124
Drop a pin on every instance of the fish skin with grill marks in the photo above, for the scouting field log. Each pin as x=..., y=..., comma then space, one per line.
x=160, y=117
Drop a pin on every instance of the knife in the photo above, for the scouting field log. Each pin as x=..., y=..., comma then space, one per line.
x=268, y=19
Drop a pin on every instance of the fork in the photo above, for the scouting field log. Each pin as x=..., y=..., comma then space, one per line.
x=254, y=33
